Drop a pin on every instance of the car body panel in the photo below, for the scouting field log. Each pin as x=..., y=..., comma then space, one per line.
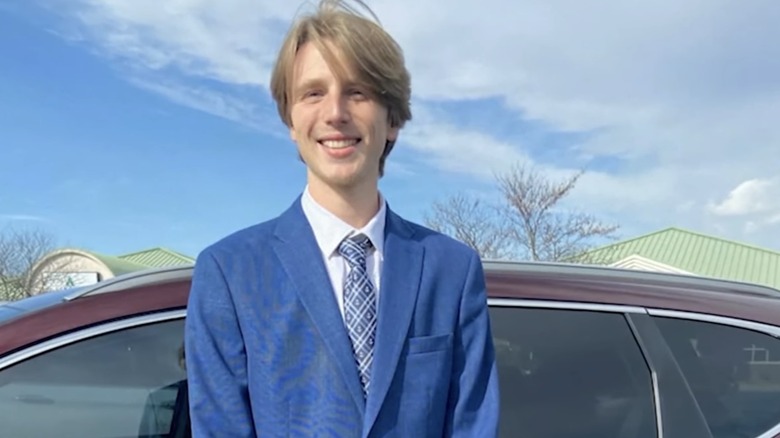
x=527, y=281
x=60, y=316
x=67, y=316
x=758, y=309
x=14, y=309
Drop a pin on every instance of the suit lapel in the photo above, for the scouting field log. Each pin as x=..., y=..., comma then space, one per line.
x=400, y=282
x=301, y=258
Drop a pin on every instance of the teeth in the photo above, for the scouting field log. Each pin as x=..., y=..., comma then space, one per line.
x=339, y=144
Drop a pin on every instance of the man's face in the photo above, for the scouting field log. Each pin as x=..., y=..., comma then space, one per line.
x=339, y=126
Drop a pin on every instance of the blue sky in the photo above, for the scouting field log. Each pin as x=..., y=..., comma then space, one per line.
x=128, y=124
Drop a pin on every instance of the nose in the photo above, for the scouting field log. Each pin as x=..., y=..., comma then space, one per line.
x=336, y=109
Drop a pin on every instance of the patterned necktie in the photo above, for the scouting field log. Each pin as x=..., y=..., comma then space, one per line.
x=359, y=305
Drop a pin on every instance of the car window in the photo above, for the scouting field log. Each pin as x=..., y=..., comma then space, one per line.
x=572, y=374
x=734, y=374
x=126, y=383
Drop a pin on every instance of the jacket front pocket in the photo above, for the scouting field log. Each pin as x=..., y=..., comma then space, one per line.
x=429, y=344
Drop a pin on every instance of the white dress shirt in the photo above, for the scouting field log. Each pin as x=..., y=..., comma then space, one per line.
x=329, y=231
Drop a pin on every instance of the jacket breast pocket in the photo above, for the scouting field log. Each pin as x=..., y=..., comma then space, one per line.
x=429, y=344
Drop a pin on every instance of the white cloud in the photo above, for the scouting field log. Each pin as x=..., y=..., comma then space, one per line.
x=230, y=41
x=216, y=103
x=452, y=148
x=399, y=169
x=234, y=42
x=22, y=218
x=686, y=93
x=754, y=203
x=750, y=197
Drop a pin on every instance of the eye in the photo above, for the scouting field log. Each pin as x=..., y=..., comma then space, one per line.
x=357, y=93
x=311, y=94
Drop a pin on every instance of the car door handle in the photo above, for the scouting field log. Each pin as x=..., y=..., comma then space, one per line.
x=34, y=399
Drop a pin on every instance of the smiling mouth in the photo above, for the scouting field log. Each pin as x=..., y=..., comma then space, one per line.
x=339, y=144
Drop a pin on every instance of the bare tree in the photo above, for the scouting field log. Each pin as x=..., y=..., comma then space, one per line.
x=20, y=251
x=473, y=222
x=538, y=226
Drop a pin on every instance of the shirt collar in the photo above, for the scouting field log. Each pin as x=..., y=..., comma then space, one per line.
x=329, y=230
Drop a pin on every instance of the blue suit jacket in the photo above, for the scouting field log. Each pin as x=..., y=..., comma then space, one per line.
x=268, y=354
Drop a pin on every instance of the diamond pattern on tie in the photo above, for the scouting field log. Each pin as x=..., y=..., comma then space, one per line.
x=359, y=305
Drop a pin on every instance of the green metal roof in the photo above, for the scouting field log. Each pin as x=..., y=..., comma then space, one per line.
x=125, y=264
x=117, y=265
x=699, y=254
x=11, y=289
x=158, y=258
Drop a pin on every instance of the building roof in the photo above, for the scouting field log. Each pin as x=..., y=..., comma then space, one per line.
x=117, y=265
x=158, y=258
x=697, y=253
x=10, y=289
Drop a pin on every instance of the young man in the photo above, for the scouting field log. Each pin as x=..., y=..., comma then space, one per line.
x=339, y=318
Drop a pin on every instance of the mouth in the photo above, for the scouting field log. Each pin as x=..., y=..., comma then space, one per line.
x=339, y=144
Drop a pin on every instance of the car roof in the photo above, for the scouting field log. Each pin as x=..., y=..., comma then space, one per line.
x=168, y=288
x=569, y=282
x=618, y=286
x=135, y=294
x=539, y=280
x=13, y=309
x=607, y=274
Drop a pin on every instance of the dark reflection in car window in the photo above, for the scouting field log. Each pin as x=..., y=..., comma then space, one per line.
x=571, y=374
x=97, y=388
x=167, y=409
x=734, y=374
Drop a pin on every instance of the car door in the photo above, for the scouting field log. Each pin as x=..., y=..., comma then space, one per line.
x=125, y=378
x=570, y=370
x=732, y=367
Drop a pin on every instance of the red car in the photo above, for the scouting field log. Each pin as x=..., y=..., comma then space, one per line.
x=583, y=352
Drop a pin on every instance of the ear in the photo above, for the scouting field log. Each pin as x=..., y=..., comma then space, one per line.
x=392, y=133
x=292, y=134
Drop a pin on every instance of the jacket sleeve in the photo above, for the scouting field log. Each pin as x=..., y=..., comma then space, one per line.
x=215, y=357
x=473, y=405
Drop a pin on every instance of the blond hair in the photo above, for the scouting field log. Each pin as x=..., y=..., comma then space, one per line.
x=368, y=50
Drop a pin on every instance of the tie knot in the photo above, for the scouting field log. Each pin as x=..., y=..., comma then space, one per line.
x=354, y=249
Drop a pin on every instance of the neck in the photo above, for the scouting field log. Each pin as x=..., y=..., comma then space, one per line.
x=354, y=205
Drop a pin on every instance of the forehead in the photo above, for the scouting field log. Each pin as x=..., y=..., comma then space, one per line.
x=320, y=62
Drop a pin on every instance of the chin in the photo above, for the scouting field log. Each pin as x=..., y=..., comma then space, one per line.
x=345, y=177
x=343, y=182
x=346, y=180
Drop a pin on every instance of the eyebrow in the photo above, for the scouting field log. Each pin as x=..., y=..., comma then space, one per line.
x=306, y=85
x=319, y=83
